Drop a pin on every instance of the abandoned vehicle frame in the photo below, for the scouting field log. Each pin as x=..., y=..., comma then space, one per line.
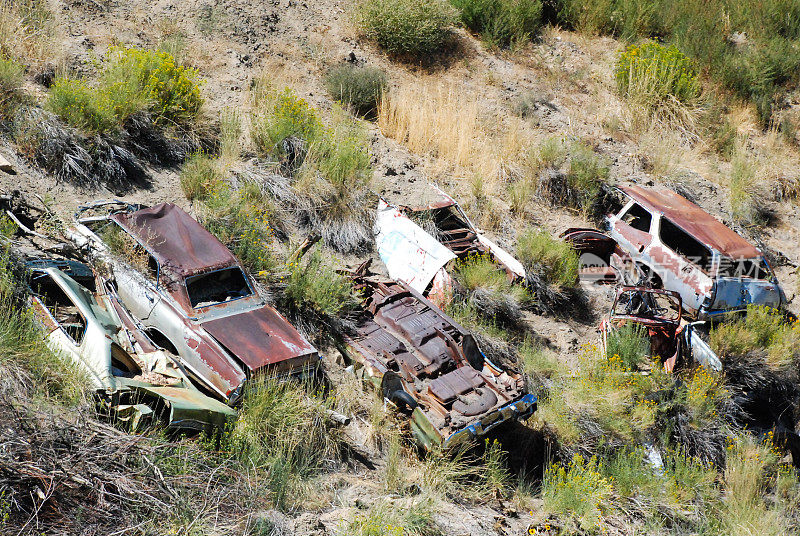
x=429, y=366
x=135, y=382
x=678, y=246
x=416, y=244
x=192, y=296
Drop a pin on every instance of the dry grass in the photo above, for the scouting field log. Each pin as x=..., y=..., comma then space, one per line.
x=446, y=121
x=29, y=33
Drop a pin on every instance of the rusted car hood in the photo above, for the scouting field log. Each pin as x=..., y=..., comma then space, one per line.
x=260, y=337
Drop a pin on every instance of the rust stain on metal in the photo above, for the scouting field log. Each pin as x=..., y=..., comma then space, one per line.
x=694, y=220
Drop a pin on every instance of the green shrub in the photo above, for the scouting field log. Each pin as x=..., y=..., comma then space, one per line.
x=482, y=272
x=245, y=221
x=625, y=18
x=538, y=250
x=342, y=157
x=406, y=27
x=761, y=329
x=358, y=88
x=750, y=47
x=579, y=492
x=11, y=78
x=586, y=173
x=200, y=175
x=501, y=23
x=285, y=115
x=81, y=106
x=629, y=344
x=651, y=75
x=281, y=432
x=134, y=78
x=316, y=285
x=552, y=152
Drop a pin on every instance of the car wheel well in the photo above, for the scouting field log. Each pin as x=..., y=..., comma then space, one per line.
x=161, y=340
x=649, y=277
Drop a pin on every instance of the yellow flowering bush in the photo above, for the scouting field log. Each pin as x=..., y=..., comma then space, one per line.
x=170, y=91
x=578, y=490
x=81, y=106
x=652, y=73
x=131, y=81
x=285, y=115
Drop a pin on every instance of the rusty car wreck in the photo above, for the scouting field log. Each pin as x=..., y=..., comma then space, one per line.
x=429, y=366
x=135, y=382
x=416, y=244
x=678, y=246
x=193, y=297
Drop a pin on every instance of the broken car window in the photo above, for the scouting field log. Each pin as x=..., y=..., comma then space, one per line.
x=217, y=287
x=638, y=218
x=685, y=245
x=644, y=304
x=61, y=307
x=750, y=268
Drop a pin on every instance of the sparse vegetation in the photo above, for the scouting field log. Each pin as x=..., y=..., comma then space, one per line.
x=200, y=175
x=132, y=81
x=406, y=27
x=750, y=48
x=539, y=251
x=659, y=80
x=501, y=23
x=281, y=432
x=358, y=88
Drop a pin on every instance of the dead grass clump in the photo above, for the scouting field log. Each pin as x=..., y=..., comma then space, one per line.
x=447, y=122
x=65, y=472
x=30, y=35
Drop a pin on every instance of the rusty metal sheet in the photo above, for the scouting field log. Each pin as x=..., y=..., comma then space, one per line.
x=409, y=346
x=178, y=243
x=694, y=220
x=259, y=337
x=409, y=253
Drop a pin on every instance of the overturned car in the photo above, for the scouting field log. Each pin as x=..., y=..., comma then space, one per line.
x=191, y=296
x=678, y=246
x=429, y=366
x=416, y=244
x=136, y=382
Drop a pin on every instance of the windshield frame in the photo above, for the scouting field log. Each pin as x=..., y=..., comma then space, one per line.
x=190, y=278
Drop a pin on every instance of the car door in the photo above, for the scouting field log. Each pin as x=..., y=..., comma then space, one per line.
x=137, y=291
